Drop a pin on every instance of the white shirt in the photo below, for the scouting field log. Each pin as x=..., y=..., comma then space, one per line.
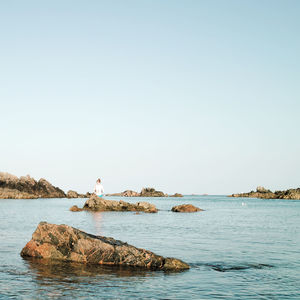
x=98, y=189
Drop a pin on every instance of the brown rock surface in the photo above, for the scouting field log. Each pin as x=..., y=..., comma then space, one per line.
x=75, y=208
x=65, y=243
x=176, y=195
x=263, y=193
x=186, y=208
x=73, y=194
x=25, y=187
x=151, y=192
x=96, y=203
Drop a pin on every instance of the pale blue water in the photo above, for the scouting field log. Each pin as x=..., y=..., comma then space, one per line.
x=236, y=250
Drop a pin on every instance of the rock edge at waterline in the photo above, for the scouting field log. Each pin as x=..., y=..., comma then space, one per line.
x=65, y=243
x=145, y=192
x=186, y=208
x=96, y=203
x=261, y=192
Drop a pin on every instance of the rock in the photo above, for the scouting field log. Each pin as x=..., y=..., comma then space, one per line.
x=65, y=243
x=176, y=195
x=130, y=193
x=267, y=194
x=145, y=192
x=96, y=203
x=25, y=187
x=261, y=189
x=151, y=192
x=186, y=208
x=72, y=194
x=75, y=208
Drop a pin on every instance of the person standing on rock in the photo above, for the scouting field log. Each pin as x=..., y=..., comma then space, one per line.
x=98, y=190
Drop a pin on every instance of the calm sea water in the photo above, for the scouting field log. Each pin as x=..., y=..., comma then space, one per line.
x=237, y=248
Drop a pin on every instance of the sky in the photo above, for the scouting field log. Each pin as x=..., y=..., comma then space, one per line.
x=183, y=96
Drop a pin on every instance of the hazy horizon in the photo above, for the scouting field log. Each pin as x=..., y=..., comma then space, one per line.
x=184, y=96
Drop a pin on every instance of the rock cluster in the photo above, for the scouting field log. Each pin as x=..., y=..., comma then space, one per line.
x=65, y=243
x=25, y=187
x=73, y=194
x=127, y=193
x=186, y=208
x=261, y=192
x=176, y=195
x=96, y=203
x=145, y=192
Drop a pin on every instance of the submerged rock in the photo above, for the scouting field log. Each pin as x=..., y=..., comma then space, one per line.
x=25, y=187
x=186, y=208
x=96, y=203
x=65, y=243
x=263, y=193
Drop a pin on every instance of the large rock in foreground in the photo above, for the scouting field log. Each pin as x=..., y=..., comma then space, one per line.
x=65, y=243
x=263, y=193
x=25, y=187
x=96, y=203
x=186, y=208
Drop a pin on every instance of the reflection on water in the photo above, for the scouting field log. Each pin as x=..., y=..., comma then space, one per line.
x=59, y=270
x=97, y=219
x=235, y=251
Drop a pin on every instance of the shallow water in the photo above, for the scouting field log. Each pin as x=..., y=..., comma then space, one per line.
x=237, y=248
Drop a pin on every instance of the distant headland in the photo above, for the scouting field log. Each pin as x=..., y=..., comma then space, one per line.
x=261, y=192
x=26, y=187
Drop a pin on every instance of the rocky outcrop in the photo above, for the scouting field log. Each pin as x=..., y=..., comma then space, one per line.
x=263, y=193
x=73, y=194
x=176, y=195
x=151, y=192
x=127, y=193
x=186, y=208
x=25, y=187
x=96, y=203
x=65, y=243
x=145, y=192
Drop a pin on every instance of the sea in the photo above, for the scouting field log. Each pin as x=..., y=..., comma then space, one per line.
x=238, y=248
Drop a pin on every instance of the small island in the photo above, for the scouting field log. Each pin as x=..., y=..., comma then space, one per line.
x=263, y=193
x=145, y=192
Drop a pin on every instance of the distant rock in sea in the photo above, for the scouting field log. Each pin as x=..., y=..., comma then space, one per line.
x=186, y=208
x=73, y=194
x=25, y=187
x=176, y=195
x=261, y=192
x=145, y=192
x=65, y=243
x=96, y=203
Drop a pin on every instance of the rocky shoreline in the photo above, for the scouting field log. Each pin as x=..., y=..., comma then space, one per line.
x=145, y=192
x=26, y=187
x=68, y=244
x=263, y=193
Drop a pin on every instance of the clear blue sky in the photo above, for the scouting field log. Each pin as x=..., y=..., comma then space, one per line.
x=185, y=96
